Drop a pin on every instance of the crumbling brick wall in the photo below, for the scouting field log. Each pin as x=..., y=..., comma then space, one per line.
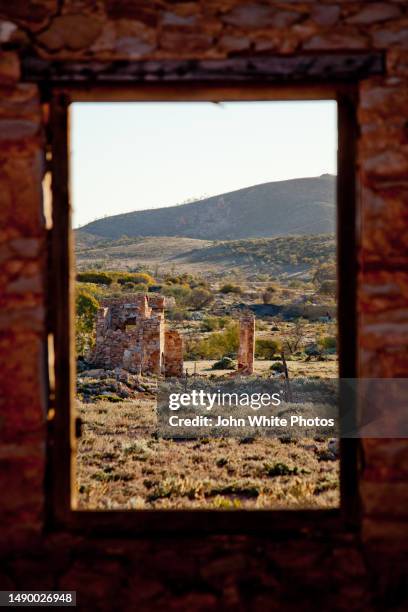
x=342, y=571
x=246, y=350
x=130, y=334
x=173, y=356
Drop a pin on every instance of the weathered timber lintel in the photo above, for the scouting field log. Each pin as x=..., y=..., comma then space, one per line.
x=300, y=68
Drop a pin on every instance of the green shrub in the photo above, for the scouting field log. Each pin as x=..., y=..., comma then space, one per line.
x=281, y=469
x=109, y=397
x=136, y=277
x=328, y=287
x=216, y=345
x=179, y=292
x=214, y=323
x=328, y=342
x=230, y=288
x=177, y=314
x=100, y=278
x=209, y=324
x=277, y=367
x=86, y=308
x=267, y=297
x=135, y=287
x=199, y=297
x=226, y=363
x=266, y=349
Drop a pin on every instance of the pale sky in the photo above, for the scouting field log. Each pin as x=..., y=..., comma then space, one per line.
x=139, y=155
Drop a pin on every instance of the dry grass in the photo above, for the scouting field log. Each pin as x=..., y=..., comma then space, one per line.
x=297, y=369
x=123, y=464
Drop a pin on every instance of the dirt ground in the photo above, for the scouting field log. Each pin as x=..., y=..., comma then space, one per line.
x=123, y=464
x=323, y=369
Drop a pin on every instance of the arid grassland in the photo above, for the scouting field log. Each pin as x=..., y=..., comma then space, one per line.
x=122, y=463
x=288, y=283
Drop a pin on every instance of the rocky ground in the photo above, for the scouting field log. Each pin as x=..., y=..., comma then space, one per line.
x=123, y=462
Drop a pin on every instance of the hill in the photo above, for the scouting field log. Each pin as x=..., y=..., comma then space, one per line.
x=126, y=253
x=284, y=254
x=296, y=206
x=272, y=255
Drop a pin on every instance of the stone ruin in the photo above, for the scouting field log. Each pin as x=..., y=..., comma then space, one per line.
x=131, y=334
x=246, y=351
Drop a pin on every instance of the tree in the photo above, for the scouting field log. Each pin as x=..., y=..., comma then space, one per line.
x=325, y=272
x=296, y=338
x=86, y=308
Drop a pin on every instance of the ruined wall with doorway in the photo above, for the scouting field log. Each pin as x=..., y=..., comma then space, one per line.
x=130, y=334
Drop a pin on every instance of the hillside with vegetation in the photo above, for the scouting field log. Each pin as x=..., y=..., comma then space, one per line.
x=272, y=255
x=281, y=255
x=296, y=206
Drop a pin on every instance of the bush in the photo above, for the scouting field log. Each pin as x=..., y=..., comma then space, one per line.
x=312, y=350
x=325, y=272
x=328, y=287
x=136, y=277
x=100, y=278
x=267, y=297
x=209, y=324
x=217, y=345
x=177, y=314
x=86, y=308
x=277, y=367
x=141, y=288
x=328, y=342
x=179, y=292
x=199, y=297
x=109, y=397
x=226, y=363
x=280, y=469
x=266, y=349
x=260, y=325
x=230, y=288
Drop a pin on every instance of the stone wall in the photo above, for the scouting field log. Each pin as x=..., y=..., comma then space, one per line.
x=130, y=334
x=359, y=571
x=246, y=349
x=173, y=347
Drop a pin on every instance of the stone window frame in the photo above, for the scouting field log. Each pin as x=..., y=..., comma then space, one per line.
x=320, y=77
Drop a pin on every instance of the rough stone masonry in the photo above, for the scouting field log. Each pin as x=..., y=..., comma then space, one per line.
x=246, y=349
x=359, y=569
x=131, y=334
